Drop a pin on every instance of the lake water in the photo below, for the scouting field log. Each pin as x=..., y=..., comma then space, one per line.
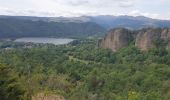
x=55, y=41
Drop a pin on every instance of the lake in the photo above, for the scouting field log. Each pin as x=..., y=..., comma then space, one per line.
x=55, y=41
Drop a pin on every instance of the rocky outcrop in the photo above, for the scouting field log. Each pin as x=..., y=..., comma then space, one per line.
x=116, y=39
x=143, y=39
x=165, y=35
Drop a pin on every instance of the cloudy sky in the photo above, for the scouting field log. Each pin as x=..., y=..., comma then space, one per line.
x=151, y=8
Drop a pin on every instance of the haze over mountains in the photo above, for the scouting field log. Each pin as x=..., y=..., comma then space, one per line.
x=27, y=26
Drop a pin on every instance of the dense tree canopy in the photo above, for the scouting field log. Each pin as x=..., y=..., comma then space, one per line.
x=82, y=71
x=10, y=88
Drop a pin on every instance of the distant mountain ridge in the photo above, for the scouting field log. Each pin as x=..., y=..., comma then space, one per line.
x=130, y=22
x=19, y=27
x=28, y=26
x=106, y=21
x=49, y=19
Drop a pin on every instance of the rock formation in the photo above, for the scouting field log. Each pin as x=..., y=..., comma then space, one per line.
x=165, y=35
x=116, y=39
x=144, y=39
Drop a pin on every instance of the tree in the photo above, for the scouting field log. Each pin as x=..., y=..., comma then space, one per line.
x=10, y=88
x=132, y=95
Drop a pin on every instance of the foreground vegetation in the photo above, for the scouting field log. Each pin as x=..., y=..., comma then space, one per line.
x=81, y=71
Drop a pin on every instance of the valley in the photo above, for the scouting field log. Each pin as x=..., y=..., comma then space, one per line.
x=84, y=50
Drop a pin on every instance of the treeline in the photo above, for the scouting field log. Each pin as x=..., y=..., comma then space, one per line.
x=82, y=71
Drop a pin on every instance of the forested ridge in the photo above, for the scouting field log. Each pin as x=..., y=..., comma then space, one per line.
x=82, y=71
x=14, y=28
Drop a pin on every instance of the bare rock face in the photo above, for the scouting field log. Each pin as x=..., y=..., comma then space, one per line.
x=165, y=35
x=115, y=39
x=145, y=38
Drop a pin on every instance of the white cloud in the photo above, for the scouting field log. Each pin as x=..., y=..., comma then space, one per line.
x=126, y=4
x=83, y=7
x=139, y=13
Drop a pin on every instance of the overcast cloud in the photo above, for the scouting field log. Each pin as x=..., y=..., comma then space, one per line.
x=150, y=8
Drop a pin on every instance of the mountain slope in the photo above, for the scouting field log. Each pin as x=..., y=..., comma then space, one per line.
x=129, y=22
x=106, y=21
x=26, y=26
x=11, y=27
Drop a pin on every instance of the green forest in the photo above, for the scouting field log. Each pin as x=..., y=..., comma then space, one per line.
x=82, y=71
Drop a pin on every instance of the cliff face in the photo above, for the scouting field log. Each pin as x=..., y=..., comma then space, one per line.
x=144, y=39
x=165, y=35
x=116, y=39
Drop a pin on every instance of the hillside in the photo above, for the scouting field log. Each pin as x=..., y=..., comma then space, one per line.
x=106, y=21
x=130, y=22
x=12, y=28
x=30, y=26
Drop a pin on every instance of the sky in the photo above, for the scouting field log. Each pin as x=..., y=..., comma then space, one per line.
x=158, y=9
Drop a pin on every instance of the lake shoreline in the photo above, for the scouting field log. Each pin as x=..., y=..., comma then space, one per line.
x=44, y=40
